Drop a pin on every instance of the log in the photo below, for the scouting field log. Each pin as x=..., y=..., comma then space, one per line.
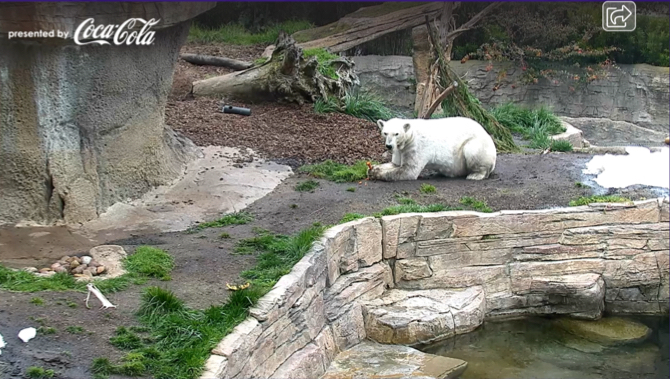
x=358, y=30
x=286, y=77
x=210, y=60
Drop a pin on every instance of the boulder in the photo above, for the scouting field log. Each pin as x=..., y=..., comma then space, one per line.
x=606, y=331
x=417, y=317
x=373, y=360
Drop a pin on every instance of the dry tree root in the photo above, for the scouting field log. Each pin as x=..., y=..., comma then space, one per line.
x=286, y=77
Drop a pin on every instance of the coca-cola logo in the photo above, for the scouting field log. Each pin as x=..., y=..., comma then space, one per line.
x=123, y=34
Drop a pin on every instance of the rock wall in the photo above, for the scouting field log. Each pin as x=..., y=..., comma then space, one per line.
x=416, y=278
x=389, y=77
x=82, y=127
x=637, y=94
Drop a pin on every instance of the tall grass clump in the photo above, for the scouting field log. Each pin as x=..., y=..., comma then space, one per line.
x=536, y=126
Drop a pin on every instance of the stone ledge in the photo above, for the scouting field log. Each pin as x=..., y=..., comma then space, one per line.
x=416, y=278
x=419, y=317
x=373, y=360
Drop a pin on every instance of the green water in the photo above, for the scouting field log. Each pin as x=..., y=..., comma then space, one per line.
x=534, y=348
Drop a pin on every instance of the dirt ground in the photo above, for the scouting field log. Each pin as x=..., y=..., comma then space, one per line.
x=204, y=262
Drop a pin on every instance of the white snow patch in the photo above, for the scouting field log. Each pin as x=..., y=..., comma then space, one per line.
x=640, y=166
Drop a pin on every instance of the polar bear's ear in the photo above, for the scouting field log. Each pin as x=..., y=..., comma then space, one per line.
x=380, y=124
x=406, y=127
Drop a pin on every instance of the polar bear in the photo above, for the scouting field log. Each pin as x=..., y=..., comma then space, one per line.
x=453, y=146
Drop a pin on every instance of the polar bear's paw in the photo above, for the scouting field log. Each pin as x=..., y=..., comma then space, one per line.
x=477, y=176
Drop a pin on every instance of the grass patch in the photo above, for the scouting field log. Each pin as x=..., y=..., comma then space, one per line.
x=34, y=372
x=239, y=218
x=337, y=172
x=151, y=262
x=365, y=105
x=37, y=301
x=323, y=57
x=351, y=217
x=260, y=61
x=125, y=339
x=561, y=146
x=236, y=34
x=146, y=262
x=224, y=235
x=307, y=186
x=46, y=330
x=535, y=126
x=358, y=104
x=406, y=201
x=415, y=208
x=477, y=205
x=585, y=200
x=351, y=189
x=182, y=338
x=74, y=329
x=427, y=188
x=326, y=106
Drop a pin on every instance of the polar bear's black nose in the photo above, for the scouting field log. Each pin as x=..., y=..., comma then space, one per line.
x=389, y=147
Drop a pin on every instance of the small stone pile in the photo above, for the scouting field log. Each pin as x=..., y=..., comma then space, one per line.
x=80, y=267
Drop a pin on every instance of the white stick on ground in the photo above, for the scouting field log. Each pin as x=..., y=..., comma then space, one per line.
x=93, y=289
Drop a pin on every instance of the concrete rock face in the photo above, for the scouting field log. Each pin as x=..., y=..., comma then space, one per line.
x=636, y=94
x=389, y=77
x=412, y=279
x=82, y=127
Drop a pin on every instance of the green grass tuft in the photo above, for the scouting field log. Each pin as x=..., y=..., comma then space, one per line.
x=239, y=218
x=236, y=34
x=535, y=126
x=427, y=188
x=74, y=329
x=326, y=106
x=365, y=105
x=561, y=146
x=259, y=61
x=151, y=262
x=406, y=201
x=477, y=205
x=45, y=330
x=37, y=301
x=34, y=372
x=337, y=172
x=351, y=189
x=585, y=200
x=351, y=217
x=125, y=339
x=307, y=186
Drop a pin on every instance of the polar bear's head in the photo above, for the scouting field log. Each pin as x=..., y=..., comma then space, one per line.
x=395, y=131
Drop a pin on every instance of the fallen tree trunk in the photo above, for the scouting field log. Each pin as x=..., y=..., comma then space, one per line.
x=210, y=60
x=285, y=77
x=358, y=30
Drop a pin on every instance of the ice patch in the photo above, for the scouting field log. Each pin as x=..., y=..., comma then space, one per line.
x=640, y=166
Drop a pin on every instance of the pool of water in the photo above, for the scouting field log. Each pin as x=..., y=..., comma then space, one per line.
x=534, y=348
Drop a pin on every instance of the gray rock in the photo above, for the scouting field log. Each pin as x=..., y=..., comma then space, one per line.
x=606, y=331
x=373, y=360
x=390, y=77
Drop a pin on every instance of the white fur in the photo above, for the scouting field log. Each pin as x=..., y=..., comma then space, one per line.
x=453, y=146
